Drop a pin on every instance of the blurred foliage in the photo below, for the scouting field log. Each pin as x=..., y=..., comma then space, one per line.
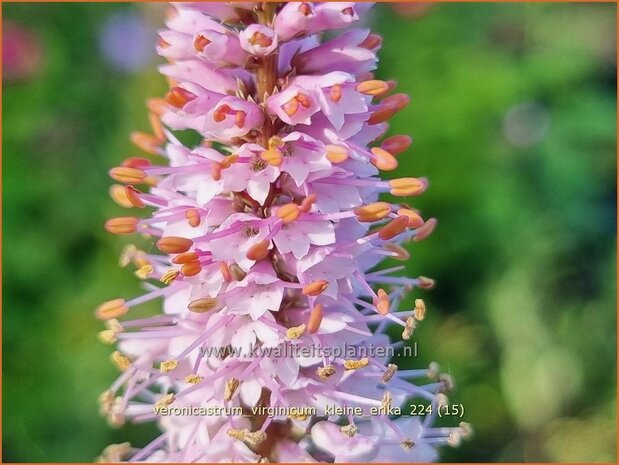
x=513, y=115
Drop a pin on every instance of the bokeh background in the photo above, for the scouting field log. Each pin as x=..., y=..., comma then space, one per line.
x=513, y=115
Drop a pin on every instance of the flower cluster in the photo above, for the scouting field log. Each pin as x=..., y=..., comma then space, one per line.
x=270, y=231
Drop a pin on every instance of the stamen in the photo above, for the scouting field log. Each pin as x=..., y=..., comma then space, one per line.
x=336, y=153
x=144, y=271
x=133, y=195
x=372, y=212
x=173, y=244
x=225, y=271
x=228, y=161
x=384, y=160
x=424, y=231
x=381, y=114
x=230, y=388
x=122, y=225
x=136, y=162
x=295, y=332
x=408, y=444
x=146, y=142
x=169, y=276
x=307, y=202
x=356, y=364
x=372, y=42
x=178, y=97
x=397, y=101
x=304, y=100
x=121, y=361
x=315, y=288
x=200, y=43
x=372, y=87
x=191, y=268
x=397, y=144
x=185, y=258
x=335, y=95
x=239, y=118
x=420, y=309
x=305, y=9
x=272, y=157
x=194, y=379
x=111, y=309
x=400, y=252
x=386, y=401
x=107, y=336
x=381, y=302
x=349, y=430
x=168, y=365
x=426, y=283
x=118, y=195
x=288, y=213
x=291, y=106
x=193, y=217
x=128, y=253
x=315, y=318
x=127, y=175
x=259, y=250
x=389, y=373
x=414, y=219
x=165, y=401
x=202, y=305
x=403, y=187
x=409, y=327
x=325, y=372
x=393, y=228
x=260, y=39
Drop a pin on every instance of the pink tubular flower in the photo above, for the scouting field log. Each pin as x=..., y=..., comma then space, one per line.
x=272, y=343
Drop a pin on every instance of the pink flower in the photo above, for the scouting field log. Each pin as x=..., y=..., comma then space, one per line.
x=269, y=232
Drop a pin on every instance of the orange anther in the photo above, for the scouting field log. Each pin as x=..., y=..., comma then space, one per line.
x=291, y=106
x=305, y=9
x=193, y=217
x=225, y=271
x=304, y=100
x=396, y=144
x=191, y=268
x=118, y=195
x=414, y=219
x=178, y=97
x=400, y=252
x=372, y=212
x=111, y=309
x=393, y=228
x=157, y=105
x=307, y=202
x=185, y=258
x=133, y=196
x=122, y=225
x=336, y=93
x=174, y=244
x=381, y=114
x=315, y=288
x=259, y=250
x=426, y=283
x=288, y=213
x=397, y=101
x=200, y=43
x=403, y=187
x=372, y=42
x=127, y=175
x=146, y=142
x=383, y=160
x=381, y=302
x=424, y=231
x=272, y=157
x=228, y=161
x=315, y=318
x=239, y=118
x=336, y=153
x=372, y=87
x=136, y=162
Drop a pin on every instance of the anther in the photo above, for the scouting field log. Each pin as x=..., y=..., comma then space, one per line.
x=407, y=444
x=193, y=217
x=119, y=195
x=397, y=101
x=409, y=327
x=336, y=153
x=167, y=366
x=372, y=87
x=325, y=372
x=259, y=250
x=383, y=160
x=122, y=225
x=239, y=118
x=230, y=388
x=133, y=195
x=381, y=302
x=185, y=258
x=386, y=401
x=121, y=361
x=307, y=202
x=335, y=95
x=128, y=253
x=400, y=252
x=202, y=305
x=389, y=373
x=191, y=268
x=414, y=219
x=136, y=162
x=288, y=213
x=228, y=161
x=260, y=39
x=372, y=42
x=127, y=175
x=426, y=283
x=272, y=157
x=372, y=212
x=169, y=276
x=165, y=400
x=173, y=244
x=315, y=318
x=420, y=309
x=381, y=114
x=107, y=336
x=225, y=271
x=393, y=228
x=193, y=379
x=403, y=187
x=144, y=271
x=434, y=370
x=396, y=144
x=111, y=309
x=178, y=97
x=146, y=142
x=356, y=364
x=424, y=231
x=315, y=288
x=295, y=332
x=200, y=43
x=349, y=430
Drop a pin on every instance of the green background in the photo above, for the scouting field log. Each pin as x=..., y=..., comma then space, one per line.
x=524, y=313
